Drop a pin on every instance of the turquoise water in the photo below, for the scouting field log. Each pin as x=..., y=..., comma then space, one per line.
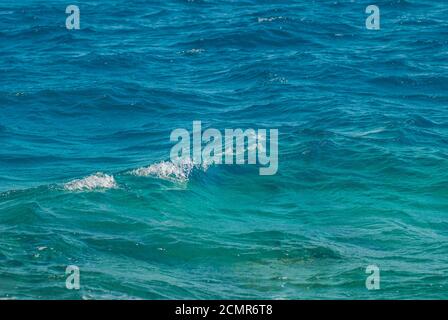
x=363, y=156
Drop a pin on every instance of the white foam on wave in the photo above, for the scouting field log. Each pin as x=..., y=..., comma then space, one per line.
x=181, y=171
x=167, y=170
x=193, y=51
x=269, y=19
x=93, y=182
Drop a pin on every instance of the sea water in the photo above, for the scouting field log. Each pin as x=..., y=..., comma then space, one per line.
x=85, y=175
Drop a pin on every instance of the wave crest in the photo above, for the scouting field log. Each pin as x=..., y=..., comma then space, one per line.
x=95, y=181
x=167, y=170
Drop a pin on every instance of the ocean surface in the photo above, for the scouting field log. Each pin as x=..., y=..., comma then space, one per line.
x=363, y=149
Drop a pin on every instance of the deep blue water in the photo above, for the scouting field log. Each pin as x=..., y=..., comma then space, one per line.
x=363, y=154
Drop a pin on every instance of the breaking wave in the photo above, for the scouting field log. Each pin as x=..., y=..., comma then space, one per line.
x=93, y=182
x=168, y=170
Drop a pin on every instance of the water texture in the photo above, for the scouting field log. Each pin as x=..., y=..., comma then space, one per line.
x=85, y=176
